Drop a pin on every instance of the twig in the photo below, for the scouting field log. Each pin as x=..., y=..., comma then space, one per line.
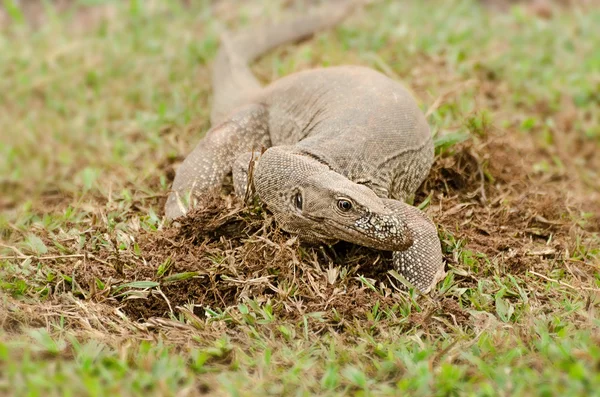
x=94, y=257
x=582, y=262
x=482, y=185
x=563, y=283
x=440, y=99
x=15, y=249
x=165, y=298
x=41, y=258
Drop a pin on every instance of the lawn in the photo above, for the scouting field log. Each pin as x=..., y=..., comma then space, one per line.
x=99, y=295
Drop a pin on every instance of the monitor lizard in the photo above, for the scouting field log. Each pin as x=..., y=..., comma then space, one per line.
x=345, y=147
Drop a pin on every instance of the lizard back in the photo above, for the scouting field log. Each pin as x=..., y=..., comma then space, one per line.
x=358, y=121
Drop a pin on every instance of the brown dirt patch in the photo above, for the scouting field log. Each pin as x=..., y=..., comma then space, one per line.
x=486, y=197
x=224, y=253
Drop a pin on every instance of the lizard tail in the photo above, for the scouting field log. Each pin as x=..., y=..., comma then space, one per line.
x=233, y=82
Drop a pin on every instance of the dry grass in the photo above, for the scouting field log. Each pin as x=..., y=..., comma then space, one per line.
x=94, y=279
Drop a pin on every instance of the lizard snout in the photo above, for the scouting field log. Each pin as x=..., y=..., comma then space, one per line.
x=384, y=231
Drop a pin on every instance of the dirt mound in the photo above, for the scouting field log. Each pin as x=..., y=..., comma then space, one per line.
x=486, y=205
x=225, y=252
x=491, y=206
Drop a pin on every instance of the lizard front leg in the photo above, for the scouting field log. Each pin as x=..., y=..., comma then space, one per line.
x=421, y=264
x=206, y=167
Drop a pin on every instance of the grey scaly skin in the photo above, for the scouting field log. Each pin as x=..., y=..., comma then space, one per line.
x=345, y=147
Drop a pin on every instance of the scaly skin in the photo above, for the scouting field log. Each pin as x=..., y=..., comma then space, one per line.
x=346, y=146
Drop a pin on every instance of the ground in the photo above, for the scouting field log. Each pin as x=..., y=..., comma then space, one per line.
x=100, y=101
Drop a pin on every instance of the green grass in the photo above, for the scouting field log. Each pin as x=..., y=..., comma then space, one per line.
x=552, y=363
x=93, y=114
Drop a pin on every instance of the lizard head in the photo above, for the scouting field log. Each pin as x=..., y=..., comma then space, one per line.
x=318, y=204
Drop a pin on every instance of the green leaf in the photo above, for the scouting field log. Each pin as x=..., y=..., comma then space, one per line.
x=138, y=284
x=243, y=308
x=425, y=202
x=448, y=140
x=88, y=177
x=35, y=244
x=503, y=307
x=163, y=267
x=355, y=376
x=46, y=342
x=99, y=284
x=14, y=12
x=330, y=379
x=3, y=352
x=180, y=276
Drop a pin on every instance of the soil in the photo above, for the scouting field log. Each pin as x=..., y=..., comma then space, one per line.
x=485, y=197
x=482, y=198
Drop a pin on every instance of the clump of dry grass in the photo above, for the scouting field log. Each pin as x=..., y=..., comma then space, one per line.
x=225, y=254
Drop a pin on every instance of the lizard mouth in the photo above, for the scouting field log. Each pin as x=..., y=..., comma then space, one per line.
x=383, y=232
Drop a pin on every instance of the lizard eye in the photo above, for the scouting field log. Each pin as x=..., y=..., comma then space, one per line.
x=298, y=201
x=344, y=205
